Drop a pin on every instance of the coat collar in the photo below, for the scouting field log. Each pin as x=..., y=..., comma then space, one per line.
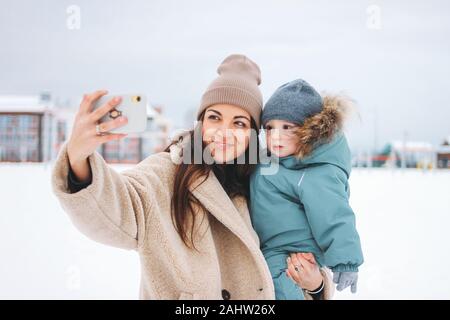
x=212, y=195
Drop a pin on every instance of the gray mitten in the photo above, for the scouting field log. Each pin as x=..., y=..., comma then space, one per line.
x=345, y=279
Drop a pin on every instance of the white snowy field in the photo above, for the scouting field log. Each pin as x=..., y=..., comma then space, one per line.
x=403, y=219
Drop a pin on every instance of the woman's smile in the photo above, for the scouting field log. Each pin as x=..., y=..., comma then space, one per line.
x=222, y=145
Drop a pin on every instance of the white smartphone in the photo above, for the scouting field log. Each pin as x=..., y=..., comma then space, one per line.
x=132, y=106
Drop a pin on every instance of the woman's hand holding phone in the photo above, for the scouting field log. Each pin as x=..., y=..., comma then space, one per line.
x=85, y=139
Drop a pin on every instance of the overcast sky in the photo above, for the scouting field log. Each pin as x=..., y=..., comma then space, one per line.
x=392, y=58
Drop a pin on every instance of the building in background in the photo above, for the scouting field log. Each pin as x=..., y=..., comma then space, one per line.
x=125, y=150
x=399, y=154
x=158, y=130
x=31, y=129
x=443, y=155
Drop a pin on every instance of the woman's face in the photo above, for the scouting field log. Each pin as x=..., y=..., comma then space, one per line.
x=280, y=137
x=226, y=131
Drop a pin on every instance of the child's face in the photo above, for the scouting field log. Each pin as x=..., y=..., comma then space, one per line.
x=280, y=136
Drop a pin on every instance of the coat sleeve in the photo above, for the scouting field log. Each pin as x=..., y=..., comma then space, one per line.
x=115, y=207
x=324, y=195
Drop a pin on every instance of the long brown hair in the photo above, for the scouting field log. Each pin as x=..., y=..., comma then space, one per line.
x=234, y=179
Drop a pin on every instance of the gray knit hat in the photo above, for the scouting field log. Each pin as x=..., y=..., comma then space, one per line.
x=237, y=84
x=294, y=102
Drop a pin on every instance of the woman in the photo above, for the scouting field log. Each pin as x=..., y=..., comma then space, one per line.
x=189, y=222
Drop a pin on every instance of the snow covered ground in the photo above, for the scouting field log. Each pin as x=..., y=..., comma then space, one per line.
x=403, y=219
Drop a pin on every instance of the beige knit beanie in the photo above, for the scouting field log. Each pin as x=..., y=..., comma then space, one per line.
x=237, y=84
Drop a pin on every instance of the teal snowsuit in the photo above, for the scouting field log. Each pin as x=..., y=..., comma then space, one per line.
x=304, y=208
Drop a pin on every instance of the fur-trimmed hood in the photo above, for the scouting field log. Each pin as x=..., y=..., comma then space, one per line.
x=322, y=127
x=321, y=139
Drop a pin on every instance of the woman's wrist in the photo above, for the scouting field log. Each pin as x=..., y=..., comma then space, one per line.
x=318, y=289
x=315, y=283
x=81, y=170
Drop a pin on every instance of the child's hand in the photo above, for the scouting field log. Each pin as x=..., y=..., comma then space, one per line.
x=303, y=269
x=345, y=279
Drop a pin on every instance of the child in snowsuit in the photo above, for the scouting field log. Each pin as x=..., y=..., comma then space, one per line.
x=304, y=206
